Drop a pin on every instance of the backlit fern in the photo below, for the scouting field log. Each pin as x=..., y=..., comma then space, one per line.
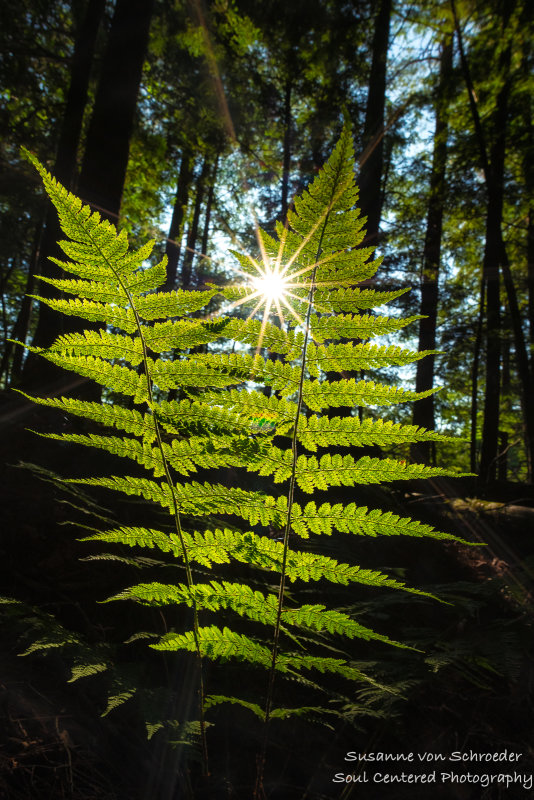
x=222, y=420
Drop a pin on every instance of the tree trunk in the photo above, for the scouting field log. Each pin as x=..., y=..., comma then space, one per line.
x=192, y=234
x=286, y=160
x=104, y=163
x=423, y=414
x=49, y=323
x=502, y=457
x=493, y=259
x=530, y=277
x=474, y=377
x=528, y=178
x=22, y=323
x=108, y=138
x=493, y=168
x=174, y=240
x=207, y=220
x=371, y=161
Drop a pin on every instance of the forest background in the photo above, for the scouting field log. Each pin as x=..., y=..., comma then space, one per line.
x=192, y=122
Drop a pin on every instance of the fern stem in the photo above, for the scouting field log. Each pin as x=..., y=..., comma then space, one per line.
x=258, y=789
x=176, y=516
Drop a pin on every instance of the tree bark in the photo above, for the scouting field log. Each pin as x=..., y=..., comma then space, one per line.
x=105, y=158
x=192, y=235
x=493, y=168
x=50, y=325
x=423, y=414
x=493, y=259
x=207, y=218
x=371, y=161
x=108, y=139
x=22, y=323
x=173, y=247
x=286, y=160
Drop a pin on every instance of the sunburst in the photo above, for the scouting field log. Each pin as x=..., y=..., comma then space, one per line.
x=273, y=281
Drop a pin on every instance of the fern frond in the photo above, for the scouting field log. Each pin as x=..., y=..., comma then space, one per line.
x=97, y=291
x=253, y=604
x=201, y=418
x=217, y=644
x=349, y=392
x=122, y=318
x=223, y=546
x=169, y=336
x=183, y=456
x=142, y=487
x=116, y=700
x=225, y=644
x=340, y=357
x=214, y=419
x=255, y=406
x=355, y=326
x=338, y=470
x=212, y=596
x=276, y=713
x=352, y=432
x=84, y=670
x=125, y=419
x=137, y=537
x=258, y=333
x=345, y=301
x=317, y=617
x=115, y=377
x=221, y=369
x=165, y=305
x=325, y=519
x=217, y=699
x=99, y=344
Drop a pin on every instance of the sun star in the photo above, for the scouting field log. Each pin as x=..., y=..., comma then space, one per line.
x=271, y=285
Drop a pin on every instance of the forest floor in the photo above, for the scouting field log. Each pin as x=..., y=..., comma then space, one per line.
x=471, y=691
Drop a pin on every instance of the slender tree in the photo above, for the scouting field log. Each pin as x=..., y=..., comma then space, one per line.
x=423, y=414
x=105, y=157
x=372, y=157
x=192, y=234
x=173, y=247
x=495, y=253
x=64, y=168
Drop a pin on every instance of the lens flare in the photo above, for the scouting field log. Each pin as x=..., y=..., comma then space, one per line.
x=271, y=285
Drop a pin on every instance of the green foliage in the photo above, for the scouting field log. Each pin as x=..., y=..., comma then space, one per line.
x=219, y=418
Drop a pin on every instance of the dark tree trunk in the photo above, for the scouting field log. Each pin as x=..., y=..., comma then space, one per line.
x=371, y=161
x=493, y=259
x=105, y=159
x=49, y=322
x=423, y=414
x=174, y=240
x=474, y=377
x=286, y=160
x=207, y=217
x=108, y=138
x=22, y=323
x=502, y=456
x=490, y=269
x=530, y=277
x=493, y=168
x=192, y=235
x=528, y=177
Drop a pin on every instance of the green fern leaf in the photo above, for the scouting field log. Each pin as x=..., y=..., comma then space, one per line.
x=129, y=420
x=122, y=318
x=352, y=432
x=346, y=300
x=216, y=419
x=217, y=644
